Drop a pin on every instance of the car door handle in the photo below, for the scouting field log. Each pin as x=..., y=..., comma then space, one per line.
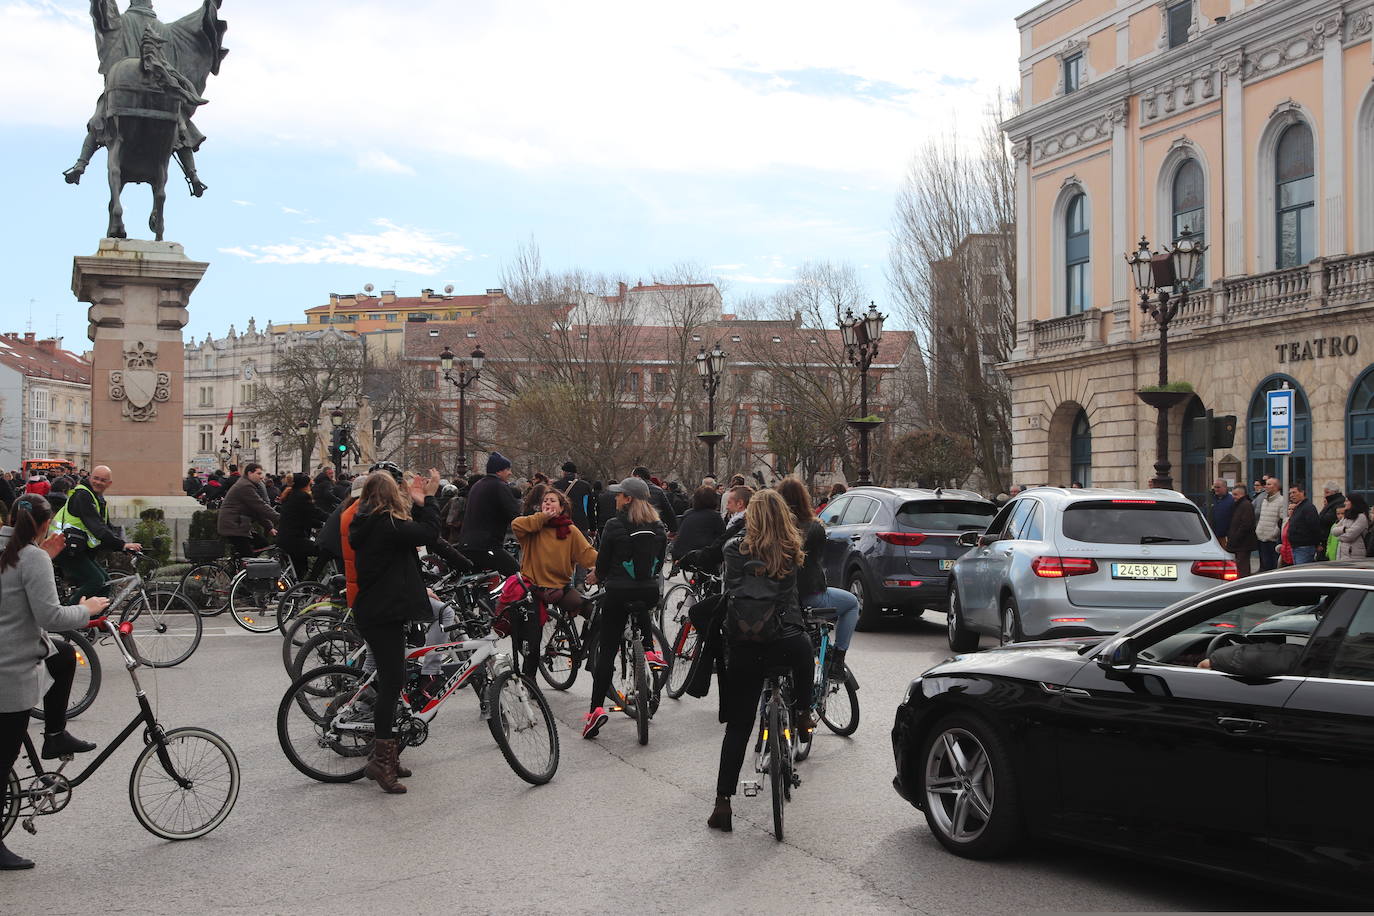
x=856, y=537
x=1241, y=726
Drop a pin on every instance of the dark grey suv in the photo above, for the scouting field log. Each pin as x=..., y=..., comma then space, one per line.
x=893, y=547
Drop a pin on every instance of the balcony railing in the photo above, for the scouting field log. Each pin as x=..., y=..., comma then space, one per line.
x=1323, y=283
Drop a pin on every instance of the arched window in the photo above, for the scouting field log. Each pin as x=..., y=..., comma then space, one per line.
x=1076, y=254
x=1194, y=482
x=1295, y=179
x=1359, y=440
x=1081, y=451
x=1189, y=207
x=1296, y=467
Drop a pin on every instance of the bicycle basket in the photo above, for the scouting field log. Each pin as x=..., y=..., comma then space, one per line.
x=262, y=569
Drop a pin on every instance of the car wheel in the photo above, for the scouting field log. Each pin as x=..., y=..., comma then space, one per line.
x=870, y=615
x=1011, y=623
x=970, y=793
x=961, y=639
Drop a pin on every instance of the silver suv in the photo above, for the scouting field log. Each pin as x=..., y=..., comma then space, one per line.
x=1060, y=562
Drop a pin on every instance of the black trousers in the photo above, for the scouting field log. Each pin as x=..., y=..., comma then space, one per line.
x=615, y=611
x=745, y=670
x=245, y=547
x=491, y=558
x=13, y=725
x=387, y=644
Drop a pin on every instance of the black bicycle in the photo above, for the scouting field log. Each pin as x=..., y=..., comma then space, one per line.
x=835, y=695
x=184, y=782
x=675, y=613
x=775, y=748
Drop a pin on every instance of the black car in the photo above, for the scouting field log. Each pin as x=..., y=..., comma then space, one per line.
x=1233, y=731
x=893, y=547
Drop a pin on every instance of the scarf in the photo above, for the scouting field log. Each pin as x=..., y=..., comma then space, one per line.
x=563, y=525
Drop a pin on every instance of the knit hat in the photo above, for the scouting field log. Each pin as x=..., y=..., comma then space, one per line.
x=568, y=468
x=631, y=486
x=497, y=462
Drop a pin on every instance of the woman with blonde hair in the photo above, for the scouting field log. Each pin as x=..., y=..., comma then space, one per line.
x=771, y=549
x=385, y=533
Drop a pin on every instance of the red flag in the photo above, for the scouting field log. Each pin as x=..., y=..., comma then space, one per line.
x=228, y=422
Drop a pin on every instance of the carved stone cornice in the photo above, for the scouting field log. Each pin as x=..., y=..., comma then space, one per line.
x=1181, y=92
x=1294, y=49
x=1087, y=132
x=1020, y=150
x=1359, y=24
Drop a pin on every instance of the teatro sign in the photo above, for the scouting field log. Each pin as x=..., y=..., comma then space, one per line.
x=1296, y=351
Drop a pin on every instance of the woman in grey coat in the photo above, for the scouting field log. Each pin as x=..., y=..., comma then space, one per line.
x=28, y=658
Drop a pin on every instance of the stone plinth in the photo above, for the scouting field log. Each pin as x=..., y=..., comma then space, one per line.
x=138, y=292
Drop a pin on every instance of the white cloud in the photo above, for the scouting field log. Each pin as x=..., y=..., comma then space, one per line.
x=614, y=85
x=393, y=247
x=242, y=203
x=378, y=161
x=292, y=211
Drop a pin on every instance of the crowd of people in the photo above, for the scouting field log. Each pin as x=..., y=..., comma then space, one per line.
x=1281, y=529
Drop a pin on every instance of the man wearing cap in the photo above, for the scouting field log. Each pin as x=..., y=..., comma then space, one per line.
x=491, y=508
x=579, y=493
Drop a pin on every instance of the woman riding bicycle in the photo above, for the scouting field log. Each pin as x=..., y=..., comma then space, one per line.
x=551, y=547
x=28, y=606
x=811, y=587
x=300, y=519
x=770, y=548
x=632, y=548
x=385, y=534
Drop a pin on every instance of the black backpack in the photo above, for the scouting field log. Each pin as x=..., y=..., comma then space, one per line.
x=751, y=612
x=646, y=552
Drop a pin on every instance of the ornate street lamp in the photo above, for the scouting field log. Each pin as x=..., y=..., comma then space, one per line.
x=469, y=371
x=711, y=366
x=1167, y=275
x=303, y=433
x=336, y=418
x=861, y=336
x=276, y=449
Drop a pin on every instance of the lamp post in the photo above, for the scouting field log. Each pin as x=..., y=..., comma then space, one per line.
x=1168, y=275
x=303, y=432
x=224, y=454
x=336, y=420
x=862, y=334
x=710, y=366
x=467, y=374
x=236, y=450
x=254, y=443
x=276, y=450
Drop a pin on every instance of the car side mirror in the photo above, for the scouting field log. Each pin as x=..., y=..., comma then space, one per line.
x=1118, y=661
x=986, y=539
x=968, y=539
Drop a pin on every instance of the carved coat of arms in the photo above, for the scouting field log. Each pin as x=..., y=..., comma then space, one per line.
x=140, y=386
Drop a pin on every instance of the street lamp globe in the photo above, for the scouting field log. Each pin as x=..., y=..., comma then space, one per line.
x=1139, y=262
x=336, y=417
x=303, y=429
x=847, y=327
x=703, y=363
x=479, y=356
x=873, y=323
x=276, y=436
x=446, y=359
x=253, y=443
x=1187, y=255
x=717, y=359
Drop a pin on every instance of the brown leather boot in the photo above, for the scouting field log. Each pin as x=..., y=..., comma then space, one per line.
x=402, y=772
x=720, y=818
x=381, y=766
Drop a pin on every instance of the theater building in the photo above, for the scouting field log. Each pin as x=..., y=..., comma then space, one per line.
x=1251, y=123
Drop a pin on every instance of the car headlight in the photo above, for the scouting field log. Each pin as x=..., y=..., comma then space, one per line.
x=910, y=689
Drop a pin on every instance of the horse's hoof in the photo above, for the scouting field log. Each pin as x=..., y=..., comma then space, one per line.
x=198, y=188
x=73, y=175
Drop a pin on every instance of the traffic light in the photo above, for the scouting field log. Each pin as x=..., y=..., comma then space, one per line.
x=339, y=441
x=1212, y=432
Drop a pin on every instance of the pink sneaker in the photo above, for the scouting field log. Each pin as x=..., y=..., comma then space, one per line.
x=655, y=659
x=593, y=722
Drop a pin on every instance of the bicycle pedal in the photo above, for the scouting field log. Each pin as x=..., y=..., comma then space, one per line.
x=28, y=825
x=751, y=788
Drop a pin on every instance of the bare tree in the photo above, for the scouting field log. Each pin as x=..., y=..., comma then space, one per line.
x=952, y=268
x=307, y=377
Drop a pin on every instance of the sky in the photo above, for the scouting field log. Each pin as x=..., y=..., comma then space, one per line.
x=420, y=144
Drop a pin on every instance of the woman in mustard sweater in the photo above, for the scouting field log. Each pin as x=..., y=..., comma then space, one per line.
x=551, y=546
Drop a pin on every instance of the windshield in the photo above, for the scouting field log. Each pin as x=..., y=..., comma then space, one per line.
x=1131, y=521
x=946, y=514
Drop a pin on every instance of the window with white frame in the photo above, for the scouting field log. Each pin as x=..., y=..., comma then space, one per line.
x=1189, y=207
x=85, y=411
x=39, y=403
x=1295, y=180
x=71, y=409
x=1073, y=73
x=205, y=434
x=1076, y=254
x=38, y=437
x=207, y=396
x=1178, y=22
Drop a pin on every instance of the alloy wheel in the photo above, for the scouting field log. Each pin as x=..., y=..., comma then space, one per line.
x=959, y=785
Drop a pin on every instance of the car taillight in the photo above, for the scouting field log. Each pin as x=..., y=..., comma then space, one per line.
x=1216, y=569
x=1060, y=567
x=1068, y=620
x=902, y=538
x=903, y=583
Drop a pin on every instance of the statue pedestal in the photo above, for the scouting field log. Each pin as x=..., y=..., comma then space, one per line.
x=138, y=292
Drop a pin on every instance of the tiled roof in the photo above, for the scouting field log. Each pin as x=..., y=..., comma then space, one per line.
x=403, y=303
x=43, y=358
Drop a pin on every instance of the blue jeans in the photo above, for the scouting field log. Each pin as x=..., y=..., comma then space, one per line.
x=1268, y=555
x=848, y=607
x=1303, y=555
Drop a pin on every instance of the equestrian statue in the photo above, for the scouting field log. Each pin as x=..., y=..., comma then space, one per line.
x=155, y=75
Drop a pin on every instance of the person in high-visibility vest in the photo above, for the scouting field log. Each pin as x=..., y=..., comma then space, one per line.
x=85, y=520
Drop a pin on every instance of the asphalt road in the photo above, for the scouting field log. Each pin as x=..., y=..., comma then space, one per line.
x=620, y=827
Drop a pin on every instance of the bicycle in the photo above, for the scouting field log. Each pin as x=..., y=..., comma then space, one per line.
x=325, y=720
x=635, y=690
x=183, y=784
x=775, y=748
x=836, y=701
x=256, y=592
x=210, y=579
x=678, y=601
x=86, y=681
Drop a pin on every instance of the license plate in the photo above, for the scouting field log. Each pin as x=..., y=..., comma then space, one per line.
x=946, y=564
x=1157, y=571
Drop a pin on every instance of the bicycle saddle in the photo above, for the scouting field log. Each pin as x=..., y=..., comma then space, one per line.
x=821, y=613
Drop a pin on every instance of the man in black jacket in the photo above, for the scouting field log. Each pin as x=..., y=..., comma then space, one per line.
x=323, y=490
x=579, y=493
x=191, y=485
x=491, y=508
x=658, y=499
x=1304, y=526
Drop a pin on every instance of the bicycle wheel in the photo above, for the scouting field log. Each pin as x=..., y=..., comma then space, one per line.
x=523, y=726
x=254, y=607
x=324, y=726
x=207, y=585
x=559, y=655
x=840, y=707
x=775, y=763
x=296, y=599
x=316, y=620
x=642, y=702
x=805, y=738
x=86, y=681
x=11, y=812
x=684, y=653
x=676, y=602
x=168, y=628
x=184, y=785
x=332, y=647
